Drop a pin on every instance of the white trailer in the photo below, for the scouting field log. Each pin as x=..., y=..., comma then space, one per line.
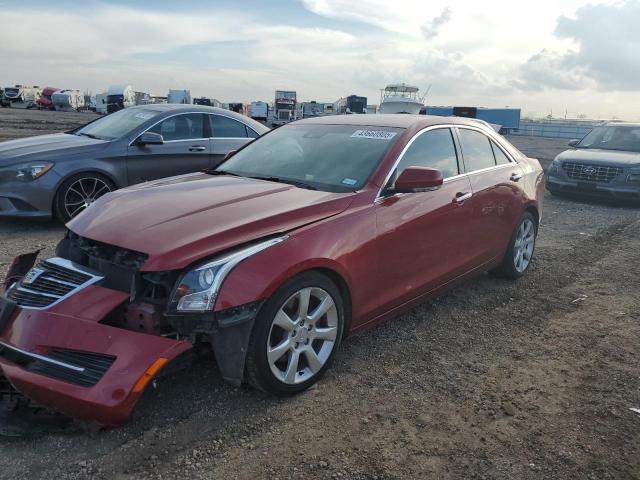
x=101, y=103
x=259, y=110
x=21, y=96
x=68, y=100
x=179, y=96
x=119, y=97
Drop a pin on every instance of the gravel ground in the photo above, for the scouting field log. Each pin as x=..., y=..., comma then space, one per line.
x=531, y=379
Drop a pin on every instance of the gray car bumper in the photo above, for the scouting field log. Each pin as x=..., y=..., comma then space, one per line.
x=617, y=190
x=28, y=199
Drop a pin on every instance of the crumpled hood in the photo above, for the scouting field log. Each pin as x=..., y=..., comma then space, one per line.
x=180, y=220
x=597, y=156
x=46, y=147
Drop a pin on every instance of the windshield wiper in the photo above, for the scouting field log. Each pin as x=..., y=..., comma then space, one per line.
x=90, y=135
x=295, y=183
x=221, y=172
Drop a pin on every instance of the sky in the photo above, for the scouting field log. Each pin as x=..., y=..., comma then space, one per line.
x=564, y=57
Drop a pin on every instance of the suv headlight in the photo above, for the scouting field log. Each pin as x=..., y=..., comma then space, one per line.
x=555, y=166
x=31, y=171
x=197, y=290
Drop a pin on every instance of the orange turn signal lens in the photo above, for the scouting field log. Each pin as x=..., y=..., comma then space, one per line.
x=149, y=374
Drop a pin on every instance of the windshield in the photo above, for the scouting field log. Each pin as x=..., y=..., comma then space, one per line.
x=117, y=124
x=335, y=158
x=618, y=137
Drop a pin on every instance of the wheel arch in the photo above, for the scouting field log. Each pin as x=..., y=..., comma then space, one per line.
x=533, y=210
x=342, y=285
x=61, y=181
x=256, y=278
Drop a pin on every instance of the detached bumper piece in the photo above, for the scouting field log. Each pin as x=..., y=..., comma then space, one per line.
x=79, y=368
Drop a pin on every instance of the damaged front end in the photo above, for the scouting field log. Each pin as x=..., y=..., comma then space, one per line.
x=85, y=332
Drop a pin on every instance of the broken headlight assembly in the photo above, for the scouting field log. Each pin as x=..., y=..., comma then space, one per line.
x=197, y=289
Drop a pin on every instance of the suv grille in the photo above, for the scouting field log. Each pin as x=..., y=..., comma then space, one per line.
x=50, y=282
x=592, y=173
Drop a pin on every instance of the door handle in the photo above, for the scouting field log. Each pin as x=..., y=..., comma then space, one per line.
x=462, y=197
x=515, y=177
x=197, y=148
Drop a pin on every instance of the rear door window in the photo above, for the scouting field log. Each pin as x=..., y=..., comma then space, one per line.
x=501, y=157
x=225, y=127
x=476, y=150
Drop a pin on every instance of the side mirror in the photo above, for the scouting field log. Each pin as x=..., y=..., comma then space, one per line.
x=573, y=143
x=417, y=179
x=229, y=154
x=150, y=138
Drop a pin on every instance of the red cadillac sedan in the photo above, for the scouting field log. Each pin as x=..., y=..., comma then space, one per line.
x=312, y=232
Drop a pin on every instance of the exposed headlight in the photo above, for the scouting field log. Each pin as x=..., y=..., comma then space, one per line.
x=32, y=171
x=196, y=290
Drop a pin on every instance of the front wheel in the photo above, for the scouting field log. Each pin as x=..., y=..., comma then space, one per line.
x=521, y=247
x=78, y=192
x=296, y=335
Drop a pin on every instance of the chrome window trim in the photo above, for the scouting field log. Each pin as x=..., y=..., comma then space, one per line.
x=42, y=358
x=131, y=143
x=62, y=262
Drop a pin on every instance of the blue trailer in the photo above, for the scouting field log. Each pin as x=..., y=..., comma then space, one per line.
x=508, y=118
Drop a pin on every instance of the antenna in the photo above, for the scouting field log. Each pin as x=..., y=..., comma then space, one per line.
x=426, y=93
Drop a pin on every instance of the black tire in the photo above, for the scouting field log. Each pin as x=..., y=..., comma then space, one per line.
x=258, y=372
x=64, y=213
x=507, y=269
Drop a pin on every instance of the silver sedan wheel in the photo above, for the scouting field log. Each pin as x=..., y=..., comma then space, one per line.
x=302, y=336
x=523, y=247
x=83, y=193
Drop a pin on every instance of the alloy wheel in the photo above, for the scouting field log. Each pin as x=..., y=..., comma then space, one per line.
x=82, y=193
x=524, y=244
x=302, y=336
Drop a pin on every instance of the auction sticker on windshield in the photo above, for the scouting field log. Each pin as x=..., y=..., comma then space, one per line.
x=377, y=134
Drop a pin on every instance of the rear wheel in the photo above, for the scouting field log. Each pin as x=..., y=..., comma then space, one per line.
x=78, y=192
x=295, y=335
x=521, y=247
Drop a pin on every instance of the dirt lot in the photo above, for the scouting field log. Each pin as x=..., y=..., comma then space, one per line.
x=529, y=380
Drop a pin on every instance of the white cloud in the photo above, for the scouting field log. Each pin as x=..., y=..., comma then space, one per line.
x=491, y=53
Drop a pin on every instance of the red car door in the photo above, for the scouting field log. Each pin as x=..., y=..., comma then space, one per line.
x=422, y=237
x=497, y=200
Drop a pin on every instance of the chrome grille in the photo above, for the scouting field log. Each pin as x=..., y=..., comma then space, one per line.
x=591, y=173
x=50, y=282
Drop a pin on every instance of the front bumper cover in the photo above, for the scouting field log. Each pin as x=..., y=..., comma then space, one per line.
x=37, y=332
x=617, y=189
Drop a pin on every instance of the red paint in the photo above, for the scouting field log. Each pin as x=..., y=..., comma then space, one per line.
x=389, y=252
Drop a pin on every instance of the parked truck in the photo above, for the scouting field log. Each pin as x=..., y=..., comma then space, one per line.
x=284, y=107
